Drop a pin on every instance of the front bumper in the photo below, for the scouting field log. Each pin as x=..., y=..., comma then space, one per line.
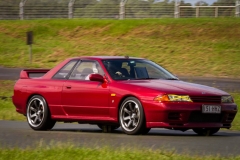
x=186, y=115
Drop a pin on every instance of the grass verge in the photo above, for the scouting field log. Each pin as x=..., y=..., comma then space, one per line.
x=72, y=152
x=7, y=109
x=236, y=121
x=196, y=47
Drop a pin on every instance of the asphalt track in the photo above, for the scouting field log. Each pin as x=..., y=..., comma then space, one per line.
x=224, y=143
x=19, y=134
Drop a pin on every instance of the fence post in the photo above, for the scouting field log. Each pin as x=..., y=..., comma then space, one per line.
x=177, y=9
x=21, y=9
x=216, y=12
x=70, y=9
x=237, y=8
x=197, y=12
x=122, y=9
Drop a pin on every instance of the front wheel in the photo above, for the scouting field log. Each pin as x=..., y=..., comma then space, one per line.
x=145, y=130
x=206, y=131
x=38, y=115
x=131, y=116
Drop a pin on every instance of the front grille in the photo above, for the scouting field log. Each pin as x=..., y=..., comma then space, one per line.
x=206, y=99
x=198, y=117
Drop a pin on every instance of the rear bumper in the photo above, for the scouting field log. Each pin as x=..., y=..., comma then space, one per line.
x=186, y=115
x=18, y=105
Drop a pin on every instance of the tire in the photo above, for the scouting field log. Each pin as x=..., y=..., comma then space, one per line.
x=131, y=116
x=38, y=114
x=206, y=131
x=145, y=130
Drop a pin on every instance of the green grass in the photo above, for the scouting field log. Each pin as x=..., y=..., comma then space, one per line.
x=6, y=88
x=7, y=109
x=236, y=121
x=70, y=152
x=197, y=47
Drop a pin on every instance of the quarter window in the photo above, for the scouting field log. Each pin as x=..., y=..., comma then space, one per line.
x=84, y=69
x=65, y=70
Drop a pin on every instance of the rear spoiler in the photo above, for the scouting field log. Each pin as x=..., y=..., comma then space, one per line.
x=24, y=74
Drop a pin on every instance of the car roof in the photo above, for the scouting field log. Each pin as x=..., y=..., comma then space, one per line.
x=105, y=57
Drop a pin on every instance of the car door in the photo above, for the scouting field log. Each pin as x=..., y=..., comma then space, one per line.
x=85, y=98
x=54, y=92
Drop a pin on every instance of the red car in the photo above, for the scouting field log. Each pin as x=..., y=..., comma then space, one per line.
x=113, y=91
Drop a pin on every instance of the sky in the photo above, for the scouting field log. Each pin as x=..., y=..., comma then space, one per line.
x=194, y=1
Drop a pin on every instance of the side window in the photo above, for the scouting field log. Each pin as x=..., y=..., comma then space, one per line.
x=126, y=66
x=118, y=69
x=84, y=69
x=65, y=70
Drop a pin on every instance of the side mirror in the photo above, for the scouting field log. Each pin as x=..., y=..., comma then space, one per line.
x=96, y=77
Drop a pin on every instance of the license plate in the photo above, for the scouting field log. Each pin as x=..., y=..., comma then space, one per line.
x=211, y=109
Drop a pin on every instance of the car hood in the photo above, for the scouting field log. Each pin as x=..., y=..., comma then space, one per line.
x=175, y=87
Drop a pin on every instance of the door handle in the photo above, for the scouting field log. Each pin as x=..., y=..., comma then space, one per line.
x=68, y=87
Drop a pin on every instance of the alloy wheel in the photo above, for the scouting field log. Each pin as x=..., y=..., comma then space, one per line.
x=130, y=115
x=35, y=112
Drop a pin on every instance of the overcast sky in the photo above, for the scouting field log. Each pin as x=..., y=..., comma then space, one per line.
x=194, y=1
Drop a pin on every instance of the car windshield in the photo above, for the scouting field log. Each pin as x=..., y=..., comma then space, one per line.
x=127, y=69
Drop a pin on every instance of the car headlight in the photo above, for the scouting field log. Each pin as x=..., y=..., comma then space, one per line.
x=172, y=98
x=227, y=99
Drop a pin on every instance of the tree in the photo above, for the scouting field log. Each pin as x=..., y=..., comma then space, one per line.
x=186, y=12
x=10, y=2
x=225, y=11
x=225, y=3
x=138, y=8
x=9, y=9
x=103, y=9
x=83, y=7
x=163, y=9
x=201, y=3
x=204, y=12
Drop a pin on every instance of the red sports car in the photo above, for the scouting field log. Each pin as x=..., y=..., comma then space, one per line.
x=113, y=91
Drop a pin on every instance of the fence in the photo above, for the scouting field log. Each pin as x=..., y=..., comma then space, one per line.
x=207, y=11
x=115, y=9
x=223, y=10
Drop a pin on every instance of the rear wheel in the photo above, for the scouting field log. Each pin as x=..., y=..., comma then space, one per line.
x=38, y=114
x=206, y=131
x=131, y=116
